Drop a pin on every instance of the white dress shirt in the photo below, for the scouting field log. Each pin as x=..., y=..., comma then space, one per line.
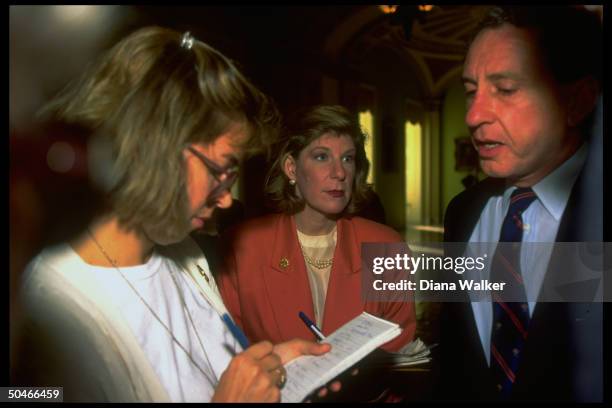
x=541, y=220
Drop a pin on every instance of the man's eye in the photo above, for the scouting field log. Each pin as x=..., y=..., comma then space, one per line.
x=469, y=95
x=348, y=159
x=320, y=156
x=506, y=91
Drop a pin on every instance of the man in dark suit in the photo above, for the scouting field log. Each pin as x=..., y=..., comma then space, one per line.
x=532, y=79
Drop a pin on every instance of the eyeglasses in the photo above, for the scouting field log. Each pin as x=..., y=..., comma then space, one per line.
x=225, y=177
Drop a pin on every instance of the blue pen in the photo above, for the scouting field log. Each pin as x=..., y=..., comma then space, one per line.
x=236, y=332
x=313, y=327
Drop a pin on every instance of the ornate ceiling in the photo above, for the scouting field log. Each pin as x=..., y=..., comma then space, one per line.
x=343, y=35
x=436, y=45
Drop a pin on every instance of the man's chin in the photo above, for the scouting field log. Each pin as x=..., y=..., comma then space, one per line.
x=493, y=169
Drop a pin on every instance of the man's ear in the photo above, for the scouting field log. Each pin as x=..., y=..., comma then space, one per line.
x=289, y=166
x=582, y=100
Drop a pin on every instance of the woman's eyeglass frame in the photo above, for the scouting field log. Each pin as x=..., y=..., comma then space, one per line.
x=226, y=177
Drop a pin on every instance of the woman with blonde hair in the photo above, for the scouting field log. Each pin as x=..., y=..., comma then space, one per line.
x=307, y=257
x=128, y=310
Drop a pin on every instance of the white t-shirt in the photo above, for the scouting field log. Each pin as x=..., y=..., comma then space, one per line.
x=182, y=379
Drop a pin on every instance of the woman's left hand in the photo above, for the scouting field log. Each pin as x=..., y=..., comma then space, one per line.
x=291, y=349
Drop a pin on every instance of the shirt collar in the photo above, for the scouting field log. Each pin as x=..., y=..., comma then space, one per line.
x=554, y=190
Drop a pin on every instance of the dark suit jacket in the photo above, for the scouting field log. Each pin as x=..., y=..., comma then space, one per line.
x=264, y=282
x=564, y=346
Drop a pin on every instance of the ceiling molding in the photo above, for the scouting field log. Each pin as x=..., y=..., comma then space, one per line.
x=435, y=49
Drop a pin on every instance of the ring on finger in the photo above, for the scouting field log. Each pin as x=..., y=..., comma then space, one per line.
x=282, y=377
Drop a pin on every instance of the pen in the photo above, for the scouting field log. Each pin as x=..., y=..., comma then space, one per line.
x=313, y=327
x=236, y=332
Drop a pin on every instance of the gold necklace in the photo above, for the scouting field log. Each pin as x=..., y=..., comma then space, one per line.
x=318, y=263
x=114, y=264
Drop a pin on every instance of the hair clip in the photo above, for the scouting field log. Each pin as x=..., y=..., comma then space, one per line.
x=187, y=40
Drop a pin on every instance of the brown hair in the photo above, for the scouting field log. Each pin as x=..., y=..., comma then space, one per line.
x=569, y=38
x=152, y=97
x=306, y=126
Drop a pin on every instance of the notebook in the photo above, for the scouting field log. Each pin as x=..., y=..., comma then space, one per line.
x=350, y=343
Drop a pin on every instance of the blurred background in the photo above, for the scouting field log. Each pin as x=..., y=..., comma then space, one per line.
x=397, y=68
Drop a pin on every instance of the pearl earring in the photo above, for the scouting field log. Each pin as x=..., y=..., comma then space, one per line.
x=292, y=182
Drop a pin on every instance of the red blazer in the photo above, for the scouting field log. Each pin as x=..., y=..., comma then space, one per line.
x=264, y=283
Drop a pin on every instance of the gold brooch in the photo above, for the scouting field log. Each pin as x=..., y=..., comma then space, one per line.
x=284, y=262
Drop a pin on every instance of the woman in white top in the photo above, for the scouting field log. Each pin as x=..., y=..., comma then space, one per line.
x=128, y=310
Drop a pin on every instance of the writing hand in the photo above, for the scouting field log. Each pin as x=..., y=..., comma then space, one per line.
x=291, y=349
x=251, y=376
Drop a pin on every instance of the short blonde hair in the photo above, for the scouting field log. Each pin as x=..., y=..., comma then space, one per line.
x=306, y=126
x=152, y=97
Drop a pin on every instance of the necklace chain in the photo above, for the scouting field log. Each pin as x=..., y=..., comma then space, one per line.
x=114, y=264
x=318, y=263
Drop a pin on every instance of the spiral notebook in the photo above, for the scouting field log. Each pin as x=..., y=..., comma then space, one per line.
x=350, y=343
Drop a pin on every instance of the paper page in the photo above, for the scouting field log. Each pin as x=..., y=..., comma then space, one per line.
x=350, y=343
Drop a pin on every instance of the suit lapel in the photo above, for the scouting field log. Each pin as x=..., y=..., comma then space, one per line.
x=467, y=209
x=567, y=232
x=568, y=224
x=343, y=291
x=286, y=281
x=459, y=331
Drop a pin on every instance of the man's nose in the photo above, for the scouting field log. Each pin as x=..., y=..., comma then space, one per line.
x=479, y=110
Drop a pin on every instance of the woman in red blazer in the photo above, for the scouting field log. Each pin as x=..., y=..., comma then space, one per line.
x=308, y=257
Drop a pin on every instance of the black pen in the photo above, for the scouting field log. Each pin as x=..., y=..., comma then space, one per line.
x=313, y=327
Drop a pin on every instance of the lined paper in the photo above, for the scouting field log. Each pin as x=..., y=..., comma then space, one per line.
x=350, y=343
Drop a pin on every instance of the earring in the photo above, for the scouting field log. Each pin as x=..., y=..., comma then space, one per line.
x=292, y=182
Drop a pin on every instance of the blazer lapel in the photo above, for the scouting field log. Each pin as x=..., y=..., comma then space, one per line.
x=344, y=289
x=287, y=285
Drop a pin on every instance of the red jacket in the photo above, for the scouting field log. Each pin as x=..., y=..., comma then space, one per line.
x=264, y=281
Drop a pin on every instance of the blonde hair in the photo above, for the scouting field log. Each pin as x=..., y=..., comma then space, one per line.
x=306, y=126
x=152, y=97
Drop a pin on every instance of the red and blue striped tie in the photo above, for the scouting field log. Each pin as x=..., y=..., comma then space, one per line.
x=510, y=318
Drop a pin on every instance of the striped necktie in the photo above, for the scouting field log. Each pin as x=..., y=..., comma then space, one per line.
x=510, y=318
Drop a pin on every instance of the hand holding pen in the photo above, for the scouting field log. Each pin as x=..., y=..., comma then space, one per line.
x=271, y=355
x=238, y=384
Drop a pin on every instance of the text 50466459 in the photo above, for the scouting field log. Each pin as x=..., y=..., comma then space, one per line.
x=26, y=394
